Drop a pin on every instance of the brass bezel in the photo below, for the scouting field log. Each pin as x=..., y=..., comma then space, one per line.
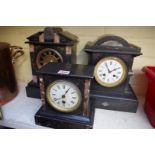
x=121, y=80
x=50, y=101
x=55, y=53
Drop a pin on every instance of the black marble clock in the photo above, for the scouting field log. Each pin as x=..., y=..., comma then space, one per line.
x=51, y=45
x=112, y=57
x=65, y=100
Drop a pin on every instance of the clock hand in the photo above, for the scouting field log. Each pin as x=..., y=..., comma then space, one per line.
x=67, y=91
x=107, y=67
x=115, y=69
x=63, y=96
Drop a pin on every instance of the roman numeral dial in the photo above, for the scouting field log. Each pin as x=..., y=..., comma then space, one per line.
x=110, y=71
x=63, y=95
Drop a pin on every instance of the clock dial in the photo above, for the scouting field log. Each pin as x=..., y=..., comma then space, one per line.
x=47, y=55
x=110, y=71
x=63, y=95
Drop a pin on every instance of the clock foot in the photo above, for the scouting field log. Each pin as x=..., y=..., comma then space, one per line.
x=33, y=90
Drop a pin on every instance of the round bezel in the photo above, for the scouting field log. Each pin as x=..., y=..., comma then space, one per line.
x=56, y=106
x=118, y=82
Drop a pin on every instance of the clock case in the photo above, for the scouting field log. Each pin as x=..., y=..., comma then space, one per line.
x=81, y=76
x=121, y=97
x=1, y=116
x=54, y=38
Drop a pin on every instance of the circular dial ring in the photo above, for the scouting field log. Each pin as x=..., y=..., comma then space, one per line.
x=63, y=96
x=112, y=67
x=47, y=55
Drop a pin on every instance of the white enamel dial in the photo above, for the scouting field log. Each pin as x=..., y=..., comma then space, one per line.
x=63, y=95
x=110, y=71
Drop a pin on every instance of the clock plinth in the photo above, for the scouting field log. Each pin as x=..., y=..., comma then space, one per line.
x=112, y=57
x=126, y=102
x=53, y=119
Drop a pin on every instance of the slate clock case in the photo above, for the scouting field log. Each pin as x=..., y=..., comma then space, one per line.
x=51, y=45
x=0, y=114
x=65, y=96
x=112, y=57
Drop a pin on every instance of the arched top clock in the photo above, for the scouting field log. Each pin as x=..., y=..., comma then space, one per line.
x=112, y=56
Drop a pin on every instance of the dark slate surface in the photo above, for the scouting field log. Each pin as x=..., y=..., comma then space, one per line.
x=76, y=70
x=132, y=50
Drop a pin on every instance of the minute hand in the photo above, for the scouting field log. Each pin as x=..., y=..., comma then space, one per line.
x=115, y=69
x=67, y=91
x=63, y=96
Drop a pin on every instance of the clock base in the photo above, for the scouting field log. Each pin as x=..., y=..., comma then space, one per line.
x=33, y=90
x=53, y=119
x=126, y=102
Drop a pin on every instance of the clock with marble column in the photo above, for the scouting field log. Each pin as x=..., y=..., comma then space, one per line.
x=65, y=90
x=51, y=45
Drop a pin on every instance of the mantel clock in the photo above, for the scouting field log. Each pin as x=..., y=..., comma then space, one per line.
x=112, y=57
x=51, y=45
x=65, y=96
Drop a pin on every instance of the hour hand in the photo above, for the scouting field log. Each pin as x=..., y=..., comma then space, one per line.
x=107, y=67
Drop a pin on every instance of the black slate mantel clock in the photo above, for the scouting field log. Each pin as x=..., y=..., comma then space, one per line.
x=65, y=96
x=51, y=45
x=112, y=57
